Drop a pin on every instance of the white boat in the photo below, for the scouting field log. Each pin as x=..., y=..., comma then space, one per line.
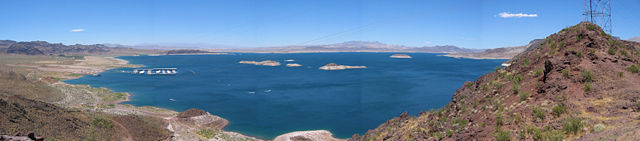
x=266, y=91
x=171, y=99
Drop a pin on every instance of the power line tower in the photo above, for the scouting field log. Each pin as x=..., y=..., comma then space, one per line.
x=598, y=12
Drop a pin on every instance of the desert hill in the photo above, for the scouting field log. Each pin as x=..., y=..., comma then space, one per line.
x=578, y=84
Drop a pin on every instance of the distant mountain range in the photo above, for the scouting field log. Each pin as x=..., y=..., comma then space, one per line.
x=46, y=48
x=636, y=39
x=351, y=46
x=498, y=53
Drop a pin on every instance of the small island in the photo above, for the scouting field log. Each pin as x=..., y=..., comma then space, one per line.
x=263, y=63
x=334, y=66
x=293, y=65
x=400, y=56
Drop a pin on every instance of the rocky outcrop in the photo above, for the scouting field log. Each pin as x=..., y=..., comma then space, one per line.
x=334, y=66
x=191, y=113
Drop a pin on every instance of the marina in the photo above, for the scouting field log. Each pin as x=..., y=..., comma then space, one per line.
x=156, y=71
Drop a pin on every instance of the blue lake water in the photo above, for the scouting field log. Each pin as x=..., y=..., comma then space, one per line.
x=265, y=101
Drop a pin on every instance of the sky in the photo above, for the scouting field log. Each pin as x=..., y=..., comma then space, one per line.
x=262, y=23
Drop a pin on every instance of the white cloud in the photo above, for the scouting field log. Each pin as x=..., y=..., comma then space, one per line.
x=516, y=15
x=77, y=30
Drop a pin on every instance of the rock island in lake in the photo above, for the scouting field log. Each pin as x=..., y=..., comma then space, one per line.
x=293, y=65
x=400, y=56
x=263, y=63
x=334, y=66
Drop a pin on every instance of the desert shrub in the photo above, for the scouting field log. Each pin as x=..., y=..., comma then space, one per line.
x=620, y=74
x=579, y=54
x=523, y=96
x=565, y=72
x=499, y=121
x=102, y=123
x=517, y=78
x=502, y=135
x=515, y=88
x=587, y=76
x=485, y=87
x=591, y=27
x=598, y=128
x=638, y=105
x=537, y=134
x=526, y=62
x=624, y=53
x=633, y=69
x=554, y=135
x=538, y=71
x=538, y=113
x=558, y=109
x=572, y=125
x=612, y=51
x=587, y=87
x=592, y=52
x=460, y=122
x=578, y=38
x=207, y=133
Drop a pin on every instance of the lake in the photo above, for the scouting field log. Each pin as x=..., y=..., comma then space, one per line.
x=266, y=101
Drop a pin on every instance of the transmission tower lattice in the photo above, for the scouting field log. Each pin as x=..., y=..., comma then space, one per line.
x=598, y=12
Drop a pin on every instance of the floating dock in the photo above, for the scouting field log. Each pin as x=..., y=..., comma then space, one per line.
x=156, y=71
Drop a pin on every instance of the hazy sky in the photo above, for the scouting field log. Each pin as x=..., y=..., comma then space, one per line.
x=258, y=23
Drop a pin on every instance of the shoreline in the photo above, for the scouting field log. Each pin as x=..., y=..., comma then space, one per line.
x=168, y=115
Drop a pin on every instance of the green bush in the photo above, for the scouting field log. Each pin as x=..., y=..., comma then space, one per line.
x=502, y=135
x=633, y=69
x=612, y=51
x=526, y=62
x=572, y=125
x=565, y=73
x=207, y=133
x=523, y=96
x=102, y=123
x=515, y=88
x=598, y=128
x=620, y=74
x=587, y=87
x=592, y=52
x=517, y=78
x=499, y=122
x=591, y=27
x=554, y=135
x=579, y=54
x=579, y=37
x=538, y=113
x=538, y=71
x=624, y=53
x=558, y=109
x=587, y=76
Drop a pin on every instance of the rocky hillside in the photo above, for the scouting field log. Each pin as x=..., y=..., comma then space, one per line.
x=22, y=111
x=579, y=84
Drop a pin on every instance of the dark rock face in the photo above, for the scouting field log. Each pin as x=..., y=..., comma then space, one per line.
x=192, y=113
